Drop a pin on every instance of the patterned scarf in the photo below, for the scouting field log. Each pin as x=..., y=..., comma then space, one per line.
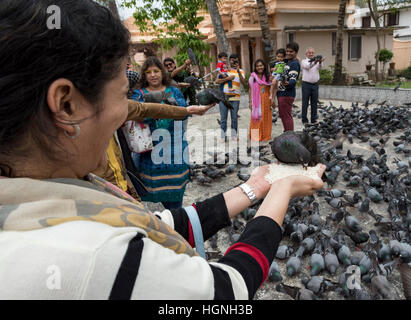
x=28, y=204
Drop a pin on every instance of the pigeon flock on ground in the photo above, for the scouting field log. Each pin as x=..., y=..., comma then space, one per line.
x=352, y=239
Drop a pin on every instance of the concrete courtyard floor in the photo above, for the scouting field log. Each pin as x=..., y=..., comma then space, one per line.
x=197, y=192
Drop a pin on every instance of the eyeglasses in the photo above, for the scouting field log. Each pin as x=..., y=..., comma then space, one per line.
x=155, y=71
x=168, y=64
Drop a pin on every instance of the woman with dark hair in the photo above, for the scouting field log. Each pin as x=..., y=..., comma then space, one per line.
x=260, y=102
x=68, y=234
x=165, y=170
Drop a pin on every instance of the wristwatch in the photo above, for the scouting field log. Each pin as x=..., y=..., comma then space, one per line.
x=249, y=192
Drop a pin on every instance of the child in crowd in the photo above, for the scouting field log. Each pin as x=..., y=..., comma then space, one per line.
x=222, y=69
x=277, y=69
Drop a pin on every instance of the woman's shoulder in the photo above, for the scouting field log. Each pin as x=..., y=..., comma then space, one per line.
x=138, y=94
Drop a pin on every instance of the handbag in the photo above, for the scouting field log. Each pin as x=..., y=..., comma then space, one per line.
x=138, y=136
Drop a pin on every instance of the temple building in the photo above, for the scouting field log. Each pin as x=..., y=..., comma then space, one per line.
x=309, y=23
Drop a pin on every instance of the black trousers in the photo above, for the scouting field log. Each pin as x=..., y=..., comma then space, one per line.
x=309, y=95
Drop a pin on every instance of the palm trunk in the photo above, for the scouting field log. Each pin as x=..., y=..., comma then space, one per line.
x=338, y=76
x=372, y=5
x=265, y=29
x=222, y=41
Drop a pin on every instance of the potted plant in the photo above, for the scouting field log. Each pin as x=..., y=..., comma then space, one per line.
x=385, y=56
x=368, y=65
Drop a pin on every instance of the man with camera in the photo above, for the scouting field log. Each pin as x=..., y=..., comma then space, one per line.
x=311, y=66
x=237, y=76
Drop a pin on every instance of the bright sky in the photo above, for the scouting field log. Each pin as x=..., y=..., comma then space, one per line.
x=124, y=12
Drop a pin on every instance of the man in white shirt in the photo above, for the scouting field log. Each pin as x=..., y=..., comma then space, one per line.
x=311, y=76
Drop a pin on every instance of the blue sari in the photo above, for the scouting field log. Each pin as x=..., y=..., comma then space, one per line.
x=165, y=170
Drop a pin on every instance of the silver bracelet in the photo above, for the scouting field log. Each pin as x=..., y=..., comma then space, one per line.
x=249, y=193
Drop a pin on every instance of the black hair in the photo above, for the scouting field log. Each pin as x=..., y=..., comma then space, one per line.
x=293, y=46
x=234, y=56
x=281, y=51
x=222, y=54
x=266, y=72
x=88, y=49
x=152, y=61
x=168, y=59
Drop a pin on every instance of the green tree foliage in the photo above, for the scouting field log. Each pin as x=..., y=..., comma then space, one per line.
x=385, y=55
x=175, y=23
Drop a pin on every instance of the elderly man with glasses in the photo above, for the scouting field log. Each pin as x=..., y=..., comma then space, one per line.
x=311, y=66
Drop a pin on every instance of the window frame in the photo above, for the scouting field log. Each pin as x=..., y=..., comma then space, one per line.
x=396, y=18
x=368, y=24
x=291, y=37
x=350, y=46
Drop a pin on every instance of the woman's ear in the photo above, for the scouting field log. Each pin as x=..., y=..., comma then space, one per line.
x=62, y=103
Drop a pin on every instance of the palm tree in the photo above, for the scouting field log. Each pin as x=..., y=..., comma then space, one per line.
x=113, y=8
x=265, y=29
x=372, y=5
x=222, y=40
x=111, y=4
x=338, y=77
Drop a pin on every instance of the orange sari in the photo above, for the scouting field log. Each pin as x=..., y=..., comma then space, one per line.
x=261, y=130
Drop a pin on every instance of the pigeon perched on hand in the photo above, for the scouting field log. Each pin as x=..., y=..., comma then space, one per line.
x=295, y=147
x=209, y=96
x=159, y=97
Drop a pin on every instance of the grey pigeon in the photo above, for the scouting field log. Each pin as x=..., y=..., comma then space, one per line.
x=365, y=264
x=351, y=222
x=283, y=252
x=193, y=81
x=317, y=263
x=192, y=56
x=293, y=264
x=314, y=284
x=295, y=292
x=295, y=147
x=344, y=254
x=330, y=259
x=208, y=96
x=274, y=272
x=159, y=97
x=357, y=257
x=372, y=193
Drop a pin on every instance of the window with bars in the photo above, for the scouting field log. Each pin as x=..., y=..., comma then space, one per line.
x=366, y=22
x=355, y=47
x=391, y=19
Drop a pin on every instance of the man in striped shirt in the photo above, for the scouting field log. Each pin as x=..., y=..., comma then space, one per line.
x=237, y=76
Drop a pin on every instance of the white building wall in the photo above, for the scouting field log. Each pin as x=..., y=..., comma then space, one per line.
x=405, y=20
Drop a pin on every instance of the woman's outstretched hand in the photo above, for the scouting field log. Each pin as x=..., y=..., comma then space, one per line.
x=281, y=191
x=199, y=110
x=299, y=186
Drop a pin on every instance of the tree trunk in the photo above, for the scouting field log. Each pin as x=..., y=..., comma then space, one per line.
x=338, y=74
x=113, y=8
x=372, y=5
x=222, y=41
x=265, y=30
